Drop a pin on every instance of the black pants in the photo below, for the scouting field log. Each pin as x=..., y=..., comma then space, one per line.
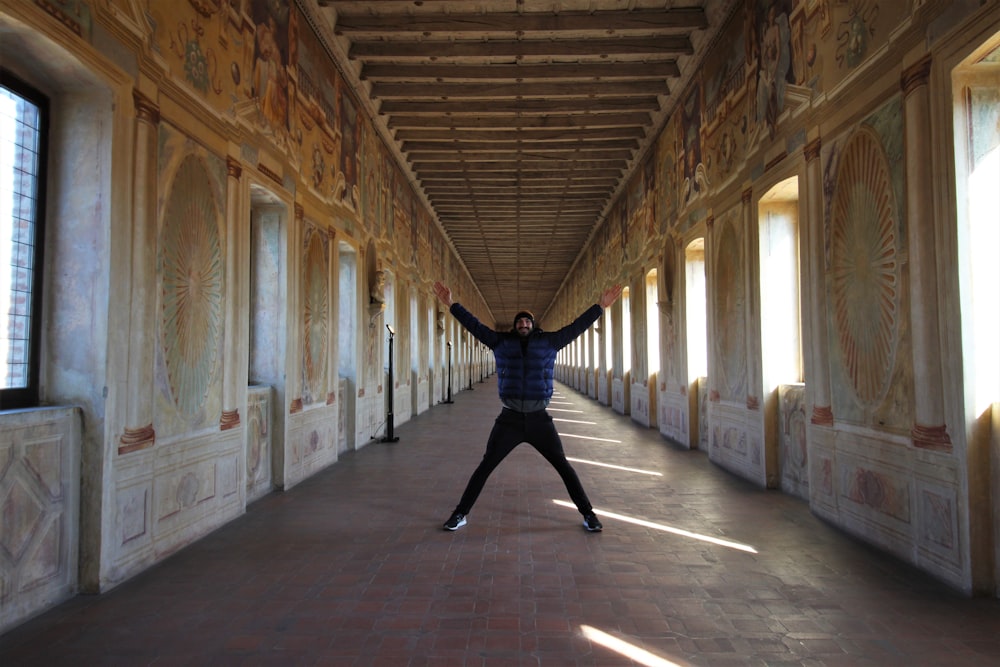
x=510, y=429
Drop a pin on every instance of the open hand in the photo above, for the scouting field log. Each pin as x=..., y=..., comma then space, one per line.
x=443, y=293
x=610, y=296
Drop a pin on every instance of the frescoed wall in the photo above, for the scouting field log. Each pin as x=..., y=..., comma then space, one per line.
x=818, y=91
x=230, y=157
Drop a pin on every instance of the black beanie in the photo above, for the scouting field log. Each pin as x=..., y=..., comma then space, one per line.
x=524, y=313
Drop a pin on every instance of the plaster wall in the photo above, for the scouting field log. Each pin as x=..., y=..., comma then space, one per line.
x=40, y=503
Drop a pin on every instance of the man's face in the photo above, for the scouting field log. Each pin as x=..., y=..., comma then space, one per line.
x=524, y=325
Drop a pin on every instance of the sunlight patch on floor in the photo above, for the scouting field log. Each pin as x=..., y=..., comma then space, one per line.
x=625, y=649
x=587, y=437
x=667, y=529
x=616, y=467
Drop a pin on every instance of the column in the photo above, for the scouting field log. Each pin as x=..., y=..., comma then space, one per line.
x=929, y=429
x=818, y=378
x=710, y=296
x=332, y=269
x=231, y=376
x=751, y=288
x=139, y=433
x=293, y=386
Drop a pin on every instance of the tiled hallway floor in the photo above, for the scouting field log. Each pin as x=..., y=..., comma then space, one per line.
x=351, y=567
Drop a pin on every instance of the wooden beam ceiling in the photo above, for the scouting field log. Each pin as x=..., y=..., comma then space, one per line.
x=520, y=120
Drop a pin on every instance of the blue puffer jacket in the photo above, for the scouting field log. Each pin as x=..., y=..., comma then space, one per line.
x=525, y=375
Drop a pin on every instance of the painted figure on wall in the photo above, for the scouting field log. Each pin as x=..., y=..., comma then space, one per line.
x=313, y=67
x=694, y=180
x=620, y=213
x=772, y=41
x=855, y=32
x=348, y=146
x=667, y=181
x=649, y=194
x=724, y=81
x=377, y=292
x=634, y=212
x=270, y=79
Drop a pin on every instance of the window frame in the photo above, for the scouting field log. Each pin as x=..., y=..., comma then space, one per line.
x=29, y=395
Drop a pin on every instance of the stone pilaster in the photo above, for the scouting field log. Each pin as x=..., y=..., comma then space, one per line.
x=751, y=313
x=332, y=372
x=138, y=433
x=818, y=378
x=231, y=376
x=293, y=385
x=929, y=429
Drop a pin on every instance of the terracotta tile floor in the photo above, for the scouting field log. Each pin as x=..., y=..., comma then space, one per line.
x=351, y=567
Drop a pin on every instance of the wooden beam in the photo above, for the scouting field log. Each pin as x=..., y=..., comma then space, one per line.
x=518, y=90
x=553, y=121
x=642, y=20
x=504, y=133
x=653, y=47
x=414, y=148
x=532, y=106
x=658, y=69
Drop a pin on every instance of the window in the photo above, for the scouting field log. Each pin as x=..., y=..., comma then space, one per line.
x=778, y=218
x=977, y=148
x=23, y=129
x=626, y=333
x=652, y=324
x=696, y=310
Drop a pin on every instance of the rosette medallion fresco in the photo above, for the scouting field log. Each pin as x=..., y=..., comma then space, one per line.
x=192, y=273
x=730, y=304
x=864, y=267
x=316, y=314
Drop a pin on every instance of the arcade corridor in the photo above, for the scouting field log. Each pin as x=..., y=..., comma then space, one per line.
x=351, y=567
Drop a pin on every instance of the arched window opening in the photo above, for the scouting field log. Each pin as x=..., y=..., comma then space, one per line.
x=652, y=325
x=781, y=340
x=626, y=333
x=977, y=151
x=696, y=310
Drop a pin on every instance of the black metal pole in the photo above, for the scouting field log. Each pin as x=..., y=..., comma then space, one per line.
x=472, y=356
x=389, y=436
x=449, y=374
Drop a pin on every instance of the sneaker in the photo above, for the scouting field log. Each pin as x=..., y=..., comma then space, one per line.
x=456, y=521
x=591, y=523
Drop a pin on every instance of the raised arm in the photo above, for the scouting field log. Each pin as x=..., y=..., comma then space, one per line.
x=571, y=331
x=482, y=332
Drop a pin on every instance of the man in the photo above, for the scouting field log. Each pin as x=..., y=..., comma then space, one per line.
x=525, y=358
